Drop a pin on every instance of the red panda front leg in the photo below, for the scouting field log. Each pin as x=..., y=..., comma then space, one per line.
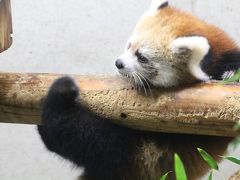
x=199, y=48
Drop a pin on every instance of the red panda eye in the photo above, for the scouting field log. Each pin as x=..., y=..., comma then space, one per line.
x=141, y=58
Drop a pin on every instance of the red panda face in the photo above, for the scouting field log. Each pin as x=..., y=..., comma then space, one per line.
x=168, y=46
x=143, y=63
x=146, y=56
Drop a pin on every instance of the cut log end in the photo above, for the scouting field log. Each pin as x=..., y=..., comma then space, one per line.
x=5, y=25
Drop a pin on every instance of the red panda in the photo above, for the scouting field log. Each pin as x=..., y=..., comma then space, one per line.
x=168, y=48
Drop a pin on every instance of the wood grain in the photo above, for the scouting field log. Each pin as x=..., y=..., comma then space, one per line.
x=208, y=109
x=5, y=25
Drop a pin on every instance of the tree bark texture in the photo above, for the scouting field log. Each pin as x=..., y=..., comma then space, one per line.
x=207, y=109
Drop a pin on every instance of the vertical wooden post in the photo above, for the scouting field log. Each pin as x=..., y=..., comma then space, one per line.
x=5, y=25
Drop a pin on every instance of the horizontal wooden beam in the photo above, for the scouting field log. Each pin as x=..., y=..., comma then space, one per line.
x=5, y=25
x=236, y=176
x=208, y=109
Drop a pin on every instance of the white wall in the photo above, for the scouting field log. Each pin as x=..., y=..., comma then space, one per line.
x=76, y=37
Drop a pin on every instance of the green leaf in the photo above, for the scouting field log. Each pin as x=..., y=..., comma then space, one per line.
x=237, y=126
x=211, y=162
x=164, y=177
x=232, y=159
x=179, y=168
x=210, y=175
x=235, y=143
x=235, y=78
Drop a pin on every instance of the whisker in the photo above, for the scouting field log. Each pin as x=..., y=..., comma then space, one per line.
x=146, y=80
x=136, y=82
x=142, y=84
x=130, y=79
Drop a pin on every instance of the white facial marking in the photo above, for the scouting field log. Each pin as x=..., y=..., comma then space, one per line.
x=156, y=4
x=199, y=47
x=167, y=77
x=129, y=41
x=129, y=61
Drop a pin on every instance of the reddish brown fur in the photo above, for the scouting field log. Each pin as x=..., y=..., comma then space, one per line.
x=173, y=23
x=158, y=30
x=154, y=159
x=189, y=25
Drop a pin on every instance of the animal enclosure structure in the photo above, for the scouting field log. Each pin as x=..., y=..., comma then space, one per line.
x=5, y=25
x=206, y=109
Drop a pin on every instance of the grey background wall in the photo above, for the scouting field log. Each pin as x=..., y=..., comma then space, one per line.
x=82, y=37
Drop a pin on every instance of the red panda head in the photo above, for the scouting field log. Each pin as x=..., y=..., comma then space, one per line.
x=167, y=47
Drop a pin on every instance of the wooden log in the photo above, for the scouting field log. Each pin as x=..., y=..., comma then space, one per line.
x=208, y=109
x=5, y=25
x=236, y=176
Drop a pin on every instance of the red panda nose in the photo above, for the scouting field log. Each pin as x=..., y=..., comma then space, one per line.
x=119, y=64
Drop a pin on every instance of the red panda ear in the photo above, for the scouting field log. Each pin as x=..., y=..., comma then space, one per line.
x=158, y=4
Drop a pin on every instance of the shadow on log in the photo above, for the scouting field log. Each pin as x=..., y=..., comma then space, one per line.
x=208, y=109
x=5, y=25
